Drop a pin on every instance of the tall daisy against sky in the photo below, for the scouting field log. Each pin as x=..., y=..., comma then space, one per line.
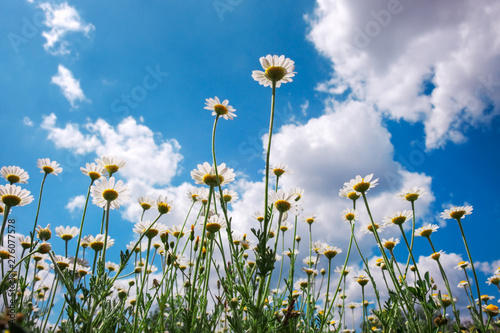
x=219, y=109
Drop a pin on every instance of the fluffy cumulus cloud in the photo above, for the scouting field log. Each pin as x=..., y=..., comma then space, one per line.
x=349, y=139
x=434, y=62
x=61, y=20
x=70, y=86
x=76, y=203
x=151, y=162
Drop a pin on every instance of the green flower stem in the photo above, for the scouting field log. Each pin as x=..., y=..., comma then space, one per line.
x=327, y=288
x=81, y=226
x=4, y=223
x=410, y=249
x=140, y=296
x=110, y=285
x=268, y=283
x=51, y=303
x=411, y=310
x=268, y=155
x=367, y=269
x=446, y=283
x=473, y=272
x=38, y=210
x=282, y=259
x=197, y=266
x=340, y=279
x=106, y=234
x=410, y=255
x=363, y=308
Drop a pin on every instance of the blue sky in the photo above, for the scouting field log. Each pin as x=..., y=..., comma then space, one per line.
x=407, y=90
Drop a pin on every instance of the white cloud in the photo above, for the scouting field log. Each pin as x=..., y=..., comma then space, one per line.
x=62, y=19
x=76, y=203
x=389, y=52
x=151, y=162
x=27, y=121
x=304, y=106
x=69, y=85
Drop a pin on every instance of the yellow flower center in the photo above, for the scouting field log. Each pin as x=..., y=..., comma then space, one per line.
x=177, y=234
x=362, y=281
x=495, y=280
x=195, y=197
x=436, y=255
x=211, y=180
x=303, y=284
x=4, y=255
x=94, y=175
x=389, y=245
x=260, y=218
x=220, y=109
x=213, y=227
x=11, y=200
x=66, y=237
x=227, y=197
x=492, y=310
x=398, y=220
x=275, y=73
x=411, y=196
x=13, y=178
x=278, y=172
x=353, y=196
x=112, y=168
x=310, y=221
x=1, y=210
x=62, y=265
x=426, y=232
x=284, y=228
x=361, y=187
x=282, y=205
x=151, y=233
x=163, y=208
x=48, y=169
x=97, y=246
x=370, y=227
x=458, y=214
x=145, y=206
x=330, y=254
x=350, y=216
x=110, y=195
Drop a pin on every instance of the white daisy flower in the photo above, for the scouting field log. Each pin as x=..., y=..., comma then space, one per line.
x=368, y=228
x=177, y=231
x=14, y=174
x=398, y=218
x=282, y=200
x=349, y=193
x=280, y=169
x=277, y=69
x=61, y=262
x=67, y=233
x=349, y=215
x=426, y=230
x=25, y=242
x=47, y=166
x=146, y=202
x=13, y=195
x=456, y=212
x=258, y=215
x=196, y=194
x=93, y=170
x=205, y=174
x=343, y=271
x=360, y=184
x=310, y=219
x=228, y=195
x=97, y=243
x=285, y=226
x=411, y=194
x=298, y=192
x=331, y=251
x=220, y=109
x=215, y=223
x=164, y=206
x=390, y=243
x=112, y=267
x=111, y=163
x=142, y=227
x=104, y=191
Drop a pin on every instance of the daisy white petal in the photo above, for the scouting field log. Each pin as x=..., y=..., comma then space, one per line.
x=14, y=174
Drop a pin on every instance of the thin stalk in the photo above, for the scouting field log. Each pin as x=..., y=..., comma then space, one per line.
x=473, y=272
x=81, y=226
